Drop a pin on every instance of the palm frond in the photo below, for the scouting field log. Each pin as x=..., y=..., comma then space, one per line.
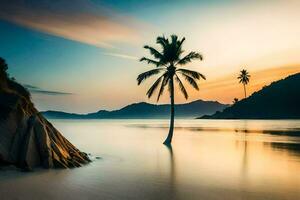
x=188, y=58
x=191, y=73
x=240, y=80
x=145, y=75
x=150, y=61
x=244, y=77
x=181, y=42
x=174, y=39
x=181, y=87
x=154, y=86
x=191, y=81
x=175, y=48
x=163, y=41
x=154, y=52
x=162, y=87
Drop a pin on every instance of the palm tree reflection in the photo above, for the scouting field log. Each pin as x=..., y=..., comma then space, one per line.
x=245, y=157
x=245, y=160
x=172, y=172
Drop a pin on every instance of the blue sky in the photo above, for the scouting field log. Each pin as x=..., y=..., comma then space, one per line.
x=88, y=51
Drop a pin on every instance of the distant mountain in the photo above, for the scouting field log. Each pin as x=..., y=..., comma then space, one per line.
x=279, y=100
x=145, y=110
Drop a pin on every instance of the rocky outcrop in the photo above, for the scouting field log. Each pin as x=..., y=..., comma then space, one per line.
x=27, y=139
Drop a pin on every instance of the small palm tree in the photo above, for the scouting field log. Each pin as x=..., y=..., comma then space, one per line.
x=244, y=79
x=235, y=100
x=166, y=60
x=3, y=73
x=3, y=66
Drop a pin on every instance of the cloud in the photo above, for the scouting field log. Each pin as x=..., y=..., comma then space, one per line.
x=119, y=55
x=34, y=89
x=81, y=21
x=30, y=87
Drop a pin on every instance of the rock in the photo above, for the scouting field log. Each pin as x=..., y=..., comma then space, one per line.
x=28, y=140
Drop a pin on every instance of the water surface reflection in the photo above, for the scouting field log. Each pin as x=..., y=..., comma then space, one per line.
x=209, y=159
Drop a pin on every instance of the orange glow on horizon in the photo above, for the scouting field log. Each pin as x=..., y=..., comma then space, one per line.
x=224, y=89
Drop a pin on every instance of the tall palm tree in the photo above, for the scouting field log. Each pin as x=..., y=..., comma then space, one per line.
x=166, y=60
x=244, y=78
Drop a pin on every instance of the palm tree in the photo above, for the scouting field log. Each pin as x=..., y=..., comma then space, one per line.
x=3, y=66
x=166, y=60
x=235, y=100
x=244, y=79
x=3, y=73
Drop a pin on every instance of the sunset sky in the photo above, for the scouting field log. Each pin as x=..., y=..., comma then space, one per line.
x=83, y=56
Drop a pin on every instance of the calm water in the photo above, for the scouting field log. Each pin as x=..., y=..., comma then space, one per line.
x=210, y=159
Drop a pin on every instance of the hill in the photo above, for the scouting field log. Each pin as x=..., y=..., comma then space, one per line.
x=146, y=111
x=279, y=100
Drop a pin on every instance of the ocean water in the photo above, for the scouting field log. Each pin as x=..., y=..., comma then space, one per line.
x=209, y=159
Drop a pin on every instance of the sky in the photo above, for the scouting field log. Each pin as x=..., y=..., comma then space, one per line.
x=83, y=56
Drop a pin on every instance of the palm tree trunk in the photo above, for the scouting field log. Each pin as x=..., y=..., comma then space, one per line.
x=245, y=91
x=170, y=135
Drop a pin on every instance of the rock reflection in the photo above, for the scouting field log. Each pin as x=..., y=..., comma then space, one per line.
x=292, y=149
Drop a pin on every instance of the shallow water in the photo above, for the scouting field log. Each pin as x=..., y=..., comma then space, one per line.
x=209, y=159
